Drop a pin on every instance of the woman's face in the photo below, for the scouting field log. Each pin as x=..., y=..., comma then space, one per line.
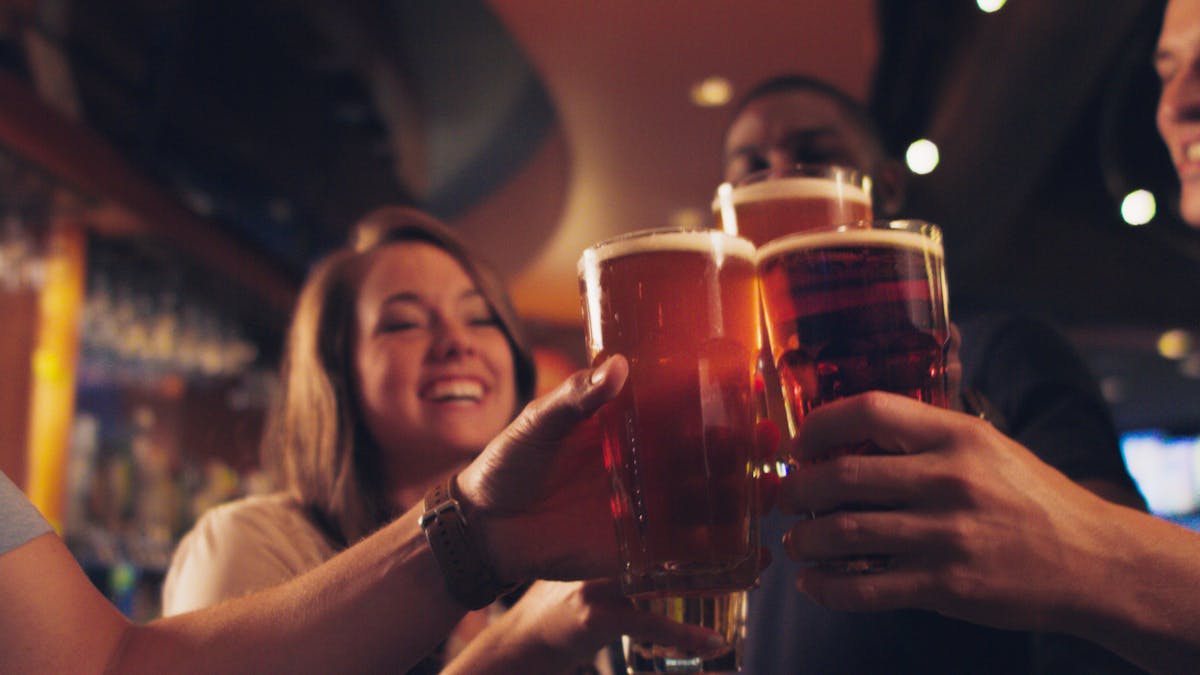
x=434, y=369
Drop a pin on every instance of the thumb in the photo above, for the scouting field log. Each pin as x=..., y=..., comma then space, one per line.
x=548, y=420
x=514, y=465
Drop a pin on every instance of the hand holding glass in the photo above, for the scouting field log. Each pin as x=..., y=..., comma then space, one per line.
x=681, y=306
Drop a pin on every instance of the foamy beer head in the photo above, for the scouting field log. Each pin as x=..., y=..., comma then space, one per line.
x=769, y=204
x=681, y=306
x=857, y=308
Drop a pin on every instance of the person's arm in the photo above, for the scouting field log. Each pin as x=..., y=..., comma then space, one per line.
x=976, y=527
x=558, y=625
x=381, y=605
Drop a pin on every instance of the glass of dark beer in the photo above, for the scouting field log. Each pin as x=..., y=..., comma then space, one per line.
x=856, y=308
x=681, y=306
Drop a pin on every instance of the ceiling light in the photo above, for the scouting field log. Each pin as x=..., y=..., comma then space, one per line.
x=1138, y=207
x=688, y=219
x=1175, y=344
x=922, y=156
x=712, y=92
x=990, y=6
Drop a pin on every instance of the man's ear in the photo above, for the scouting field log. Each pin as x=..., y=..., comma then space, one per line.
x=891, y=188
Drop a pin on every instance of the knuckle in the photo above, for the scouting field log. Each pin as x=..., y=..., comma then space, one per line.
x=958, y=535
x=847, y=470
x=874, y=405
x=846, y=528
x=589, y=618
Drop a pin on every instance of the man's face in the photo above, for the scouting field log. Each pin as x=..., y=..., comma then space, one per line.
x=1178, y=64
x=795, y=127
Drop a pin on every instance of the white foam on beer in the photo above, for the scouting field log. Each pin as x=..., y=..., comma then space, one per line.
x=800, y=187
x=841, y=238
x=697, y=241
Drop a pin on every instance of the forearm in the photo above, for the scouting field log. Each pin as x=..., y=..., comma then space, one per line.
x=1144, y=605
x=381, y=605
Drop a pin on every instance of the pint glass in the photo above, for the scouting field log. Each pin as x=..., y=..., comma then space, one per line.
x=856, y=308
x=773, y=203
x=681, y=306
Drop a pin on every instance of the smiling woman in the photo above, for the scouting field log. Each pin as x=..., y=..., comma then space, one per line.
x=404, y=359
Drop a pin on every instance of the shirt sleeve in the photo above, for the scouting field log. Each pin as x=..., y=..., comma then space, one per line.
x=20, y=521
x=1050, y=400
x=230, y=552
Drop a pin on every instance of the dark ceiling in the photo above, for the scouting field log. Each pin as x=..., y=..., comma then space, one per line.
x=284, y=121
x=281, y=121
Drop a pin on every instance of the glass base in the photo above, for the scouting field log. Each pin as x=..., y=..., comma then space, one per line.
x=723, y=613
x=638, y=663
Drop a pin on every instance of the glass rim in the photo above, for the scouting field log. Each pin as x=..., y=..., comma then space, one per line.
x=927, y=231
x=800, y=170
x=711, y=233
x=845, y=176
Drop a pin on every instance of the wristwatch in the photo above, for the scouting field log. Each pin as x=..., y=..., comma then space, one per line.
x=469, y=578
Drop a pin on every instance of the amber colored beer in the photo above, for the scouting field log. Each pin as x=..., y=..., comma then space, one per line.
x=722, y=613
x=773, y=203
x=857, y=309
x=681, y=306
x=768, y=205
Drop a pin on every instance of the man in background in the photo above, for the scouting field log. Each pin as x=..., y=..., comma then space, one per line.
x=1017, y=373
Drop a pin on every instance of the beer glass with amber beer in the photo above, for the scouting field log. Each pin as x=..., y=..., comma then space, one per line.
x=769, y=204
x=681, y=306
x=772, y=203
x=856, y=308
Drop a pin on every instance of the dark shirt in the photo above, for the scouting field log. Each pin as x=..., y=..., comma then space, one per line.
x=1052, y=405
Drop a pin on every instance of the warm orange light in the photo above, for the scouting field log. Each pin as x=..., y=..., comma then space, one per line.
x=712, y=92
x=1175, y=344
x=55, y=356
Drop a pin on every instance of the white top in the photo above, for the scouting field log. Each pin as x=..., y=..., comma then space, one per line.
x=240, y=547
